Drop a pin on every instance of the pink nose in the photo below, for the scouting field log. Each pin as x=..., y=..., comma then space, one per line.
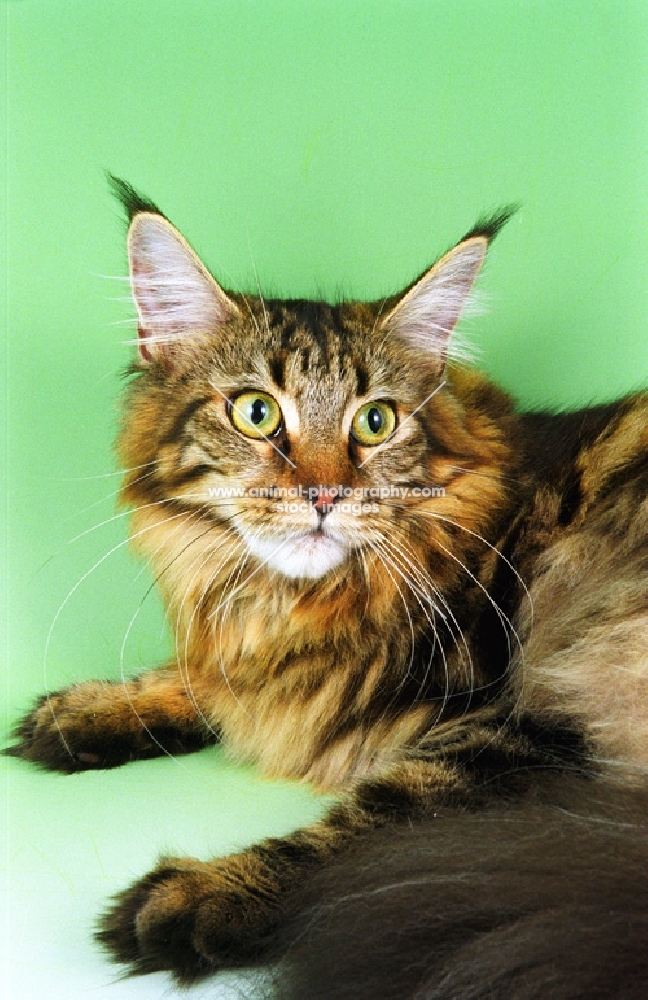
x=324, y=500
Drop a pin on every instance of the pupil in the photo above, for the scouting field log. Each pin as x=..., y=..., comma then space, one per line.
x=258, y=411
x=374, y=420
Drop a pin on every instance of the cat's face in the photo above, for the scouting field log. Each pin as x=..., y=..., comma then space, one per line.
x=308, y=430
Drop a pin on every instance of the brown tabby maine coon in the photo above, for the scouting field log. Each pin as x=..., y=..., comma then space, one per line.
x=383, y=580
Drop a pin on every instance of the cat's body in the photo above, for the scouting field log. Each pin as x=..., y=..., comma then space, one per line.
x=473, y=608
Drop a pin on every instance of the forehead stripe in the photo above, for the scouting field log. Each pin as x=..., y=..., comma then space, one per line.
x=185, y=415
x=277, y=371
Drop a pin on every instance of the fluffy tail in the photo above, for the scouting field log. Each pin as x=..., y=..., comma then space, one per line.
x=546, y=897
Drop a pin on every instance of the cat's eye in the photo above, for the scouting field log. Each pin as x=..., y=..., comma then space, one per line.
x=256, y=414
x=373, y=423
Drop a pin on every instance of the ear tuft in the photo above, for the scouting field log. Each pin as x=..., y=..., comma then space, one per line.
x=490, y=225
x=132, y=201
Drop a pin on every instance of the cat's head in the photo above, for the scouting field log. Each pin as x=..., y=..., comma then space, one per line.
x=314, y=433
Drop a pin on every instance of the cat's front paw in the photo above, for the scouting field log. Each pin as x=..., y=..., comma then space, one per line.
x=77, y=729
x=101, y=724
x=45, y=736
x=190, y=918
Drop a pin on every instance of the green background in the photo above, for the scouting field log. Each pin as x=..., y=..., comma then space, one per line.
x=317, y=147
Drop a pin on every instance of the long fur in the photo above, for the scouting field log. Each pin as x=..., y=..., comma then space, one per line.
x=442, y=646
x=547, y=897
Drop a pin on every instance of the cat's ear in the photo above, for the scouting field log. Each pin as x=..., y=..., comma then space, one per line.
x=427, y=314
x=175, y=295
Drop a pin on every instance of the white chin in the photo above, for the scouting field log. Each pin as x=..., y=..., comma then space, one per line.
x=307, y=557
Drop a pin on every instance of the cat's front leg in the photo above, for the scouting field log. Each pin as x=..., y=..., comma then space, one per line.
x=100, y=724
x=192, y=918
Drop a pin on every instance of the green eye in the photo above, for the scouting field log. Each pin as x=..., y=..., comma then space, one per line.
x=256, y=414
x=373, y=423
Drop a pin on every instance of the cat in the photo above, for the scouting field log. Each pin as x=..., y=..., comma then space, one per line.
x=383, y=579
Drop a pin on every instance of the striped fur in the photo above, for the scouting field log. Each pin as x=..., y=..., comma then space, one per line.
x=452, y=644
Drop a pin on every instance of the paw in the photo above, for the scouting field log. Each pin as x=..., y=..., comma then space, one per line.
x=88, y=726
x=190, y=918
x=65, y=733
x=98, y=724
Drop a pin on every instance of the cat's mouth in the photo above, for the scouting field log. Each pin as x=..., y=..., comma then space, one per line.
x=307, y=556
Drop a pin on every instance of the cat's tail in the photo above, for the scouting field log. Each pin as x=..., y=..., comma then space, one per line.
x=543, y=898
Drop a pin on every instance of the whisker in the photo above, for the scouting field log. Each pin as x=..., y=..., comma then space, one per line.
x=247, y=420
x=493, y=548
x=254, y=572
x=383, y=560
x=423, y=574
x=64, y=604
x=238, y=544
x=417, y=566
x=504, y=620
x=256, y=278
x=184, y=668
x=374, y=451
x=367, y=581
x=422, y=598
x=103, y=475
x=108, y=496
x=213, y=502
x=486, y=475
x=122, y=651
x=238, y=569
x=427, y=599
